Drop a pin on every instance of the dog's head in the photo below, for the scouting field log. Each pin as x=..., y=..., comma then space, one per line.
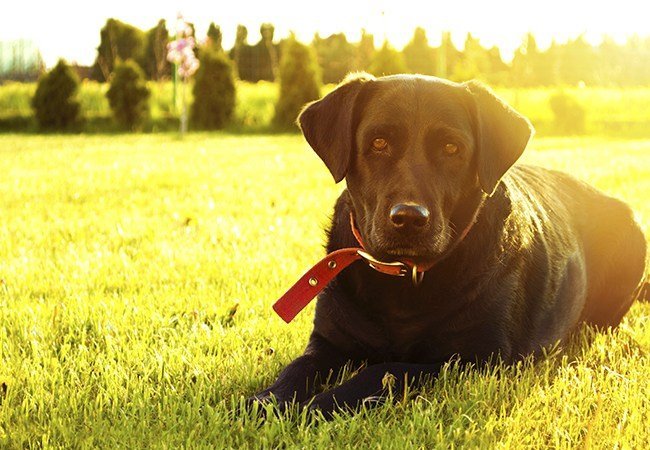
x=417, y=154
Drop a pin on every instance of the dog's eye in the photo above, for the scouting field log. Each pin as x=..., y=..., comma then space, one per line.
x=450, y=149
x=379, y=144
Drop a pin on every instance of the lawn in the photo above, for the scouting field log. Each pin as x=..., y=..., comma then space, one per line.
x=611, y=111
x=137, y=274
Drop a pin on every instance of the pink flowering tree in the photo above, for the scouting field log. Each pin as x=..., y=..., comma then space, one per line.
x=180, y=52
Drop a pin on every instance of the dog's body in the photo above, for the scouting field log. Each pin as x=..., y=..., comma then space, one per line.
x=425, y=159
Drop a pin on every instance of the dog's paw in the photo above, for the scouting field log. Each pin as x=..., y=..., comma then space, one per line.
x=328, y=405
x=262, y=397
x=324, y=404
x=259, y=401
x=267, y=401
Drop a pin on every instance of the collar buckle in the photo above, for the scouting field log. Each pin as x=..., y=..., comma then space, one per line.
x=397, y=268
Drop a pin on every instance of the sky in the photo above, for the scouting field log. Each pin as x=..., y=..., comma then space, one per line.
x=70, y=28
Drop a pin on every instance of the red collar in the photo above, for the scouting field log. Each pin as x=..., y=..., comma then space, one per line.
x=317, y=278
x=416, y=271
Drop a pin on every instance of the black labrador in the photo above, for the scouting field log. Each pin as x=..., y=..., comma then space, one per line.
x=523, y=255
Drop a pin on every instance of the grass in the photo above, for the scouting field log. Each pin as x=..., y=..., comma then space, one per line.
x=609, y=111
x=253, y=112
x=137, y=274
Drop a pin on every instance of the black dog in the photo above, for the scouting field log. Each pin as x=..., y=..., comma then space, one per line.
x=523, y=255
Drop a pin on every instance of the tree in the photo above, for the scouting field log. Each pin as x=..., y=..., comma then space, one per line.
x=268, y=48
x=335, y=56
x=577, y=62
x=156, y=65
x=55, y=102
x=240, y=44
x=387, y=61
x=418, y=56
x=637, y=59
x=299, y=82
x=215, y=37
x=474, y=61
x=528, y=64
x=498, y=71
x=128, y=95
x=118, y=40
x=365, y=51
x=611, y=61
x=255, y=62
x=214, y=91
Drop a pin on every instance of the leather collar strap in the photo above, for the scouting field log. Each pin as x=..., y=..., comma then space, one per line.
x=317, y=278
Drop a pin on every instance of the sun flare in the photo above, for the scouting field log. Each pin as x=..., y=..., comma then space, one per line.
x=502, y=22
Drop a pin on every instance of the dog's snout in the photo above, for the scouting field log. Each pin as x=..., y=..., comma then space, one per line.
x=409, y=215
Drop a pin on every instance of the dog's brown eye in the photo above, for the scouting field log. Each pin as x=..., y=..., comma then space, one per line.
x=379, y=144
x=450, y=149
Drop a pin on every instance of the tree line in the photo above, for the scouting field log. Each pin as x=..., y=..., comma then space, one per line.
x=56, y=104
x=570, y=63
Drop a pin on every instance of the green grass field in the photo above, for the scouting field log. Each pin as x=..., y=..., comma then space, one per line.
x=609, y=111
x=137, y=274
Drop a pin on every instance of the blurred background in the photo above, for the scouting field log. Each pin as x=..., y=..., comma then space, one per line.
x=572, y=67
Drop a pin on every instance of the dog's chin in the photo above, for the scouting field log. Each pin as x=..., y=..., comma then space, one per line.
x=418, y=256
x=419, y=250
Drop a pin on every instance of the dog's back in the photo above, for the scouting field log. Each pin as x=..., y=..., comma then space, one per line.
x=596, y=235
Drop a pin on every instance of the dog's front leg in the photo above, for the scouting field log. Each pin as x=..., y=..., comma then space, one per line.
x=299, y=380
x=372, y=386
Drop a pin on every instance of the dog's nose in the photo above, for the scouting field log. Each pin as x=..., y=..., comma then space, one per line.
x=409, y=215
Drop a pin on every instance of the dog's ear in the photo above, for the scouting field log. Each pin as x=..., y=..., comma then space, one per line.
x=502, y=135
x=327, y=124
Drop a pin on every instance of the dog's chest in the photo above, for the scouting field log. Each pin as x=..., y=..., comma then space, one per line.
x=424, y=328
x=407, y=333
